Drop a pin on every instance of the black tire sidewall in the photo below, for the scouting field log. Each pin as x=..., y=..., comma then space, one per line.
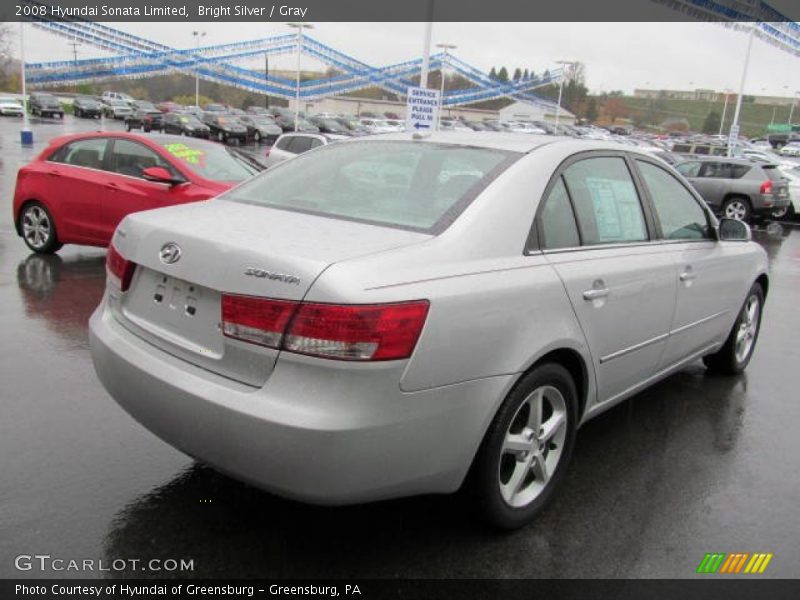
x=484, y=475
x=724, y=360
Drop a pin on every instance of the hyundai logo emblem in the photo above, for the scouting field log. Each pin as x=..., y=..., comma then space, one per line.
x=170, y=253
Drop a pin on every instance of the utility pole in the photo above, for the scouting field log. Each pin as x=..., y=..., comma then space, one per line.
x=75, y=46
x=426, y=47
x=299, y=27
x=444, y=62
x=734, y=131
x=266, y=79
x=197, y=35
x=564, y=64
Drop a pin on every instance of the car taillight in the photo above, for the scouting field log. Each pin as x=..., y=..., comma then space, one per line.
x=366, y=332
x=119, y=268
x=766, y=187
x=357, y=332
x=259, y=321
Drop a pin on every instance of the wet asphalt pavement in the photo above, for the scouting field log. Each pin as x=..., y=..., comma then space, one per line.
x=695, y=464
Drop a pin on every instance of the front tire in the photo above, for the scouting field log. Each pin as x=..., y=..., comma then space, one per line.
x=735, y=355
x=38, y=228
x=525, y=453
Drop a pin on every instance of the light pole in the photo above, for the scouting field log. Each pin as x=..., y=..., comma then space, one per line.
x=299, y=27
x=734, y=131
x=791, y=106
x=564, y=64
x=197, y=36
x=446, y=48
x=727, y=93
x=26, y=135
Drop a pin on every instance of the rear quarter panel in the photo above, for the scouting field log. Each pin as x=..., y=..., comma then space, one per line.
x=493, y=310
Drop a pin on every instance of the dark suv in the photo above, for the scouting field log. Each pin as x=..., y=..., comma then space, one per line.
x=46, y=105
x=738, y=189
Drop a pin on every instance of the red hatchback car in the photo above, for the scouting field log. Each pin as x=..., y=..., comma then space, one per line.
x=82, y=185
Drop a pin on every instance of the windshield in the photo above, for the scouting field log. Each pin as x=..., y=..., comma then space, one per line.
x=190, y=120
x=211, y=161
x=408, y=185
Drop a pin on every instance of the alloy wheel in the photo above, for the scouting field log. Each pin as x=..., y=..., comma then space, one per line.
x=36, y=227
x=748, y=328
x=736, y=209
x=533, y=446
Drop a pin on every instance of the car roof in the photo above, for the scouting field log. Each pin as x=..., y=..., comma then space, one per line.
x=157, y=139
x=514, y=142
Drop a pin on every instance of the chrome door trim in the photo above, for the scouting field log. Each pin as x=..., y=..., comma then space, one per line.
x=659, y=338
x=634, y=348
x=683, y=328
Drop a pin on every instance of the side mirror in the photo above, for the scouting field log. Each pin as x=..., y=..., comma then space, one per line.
x=160, y=175
x=731, y=230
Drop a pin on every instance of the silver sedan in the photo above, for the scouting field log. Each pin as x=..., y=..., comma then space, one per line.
x=404, y=314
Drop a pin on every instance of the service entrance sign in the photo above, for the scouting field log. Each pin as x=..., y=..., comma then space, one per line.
x=422, y=109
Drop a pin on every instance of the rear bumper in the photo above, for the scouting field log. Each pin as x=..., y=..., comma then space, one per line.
x=315, y=432
x=765, y=205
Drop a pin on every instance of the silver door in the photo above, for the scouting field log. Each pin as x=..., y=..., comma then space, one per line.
x=621, y=286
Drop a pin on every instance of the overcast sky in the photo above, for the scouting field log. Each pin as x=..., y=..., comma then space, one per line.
x=616, y=55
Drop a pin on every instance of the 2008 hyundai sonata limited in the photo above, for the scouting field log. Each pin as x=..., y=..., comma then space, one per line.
x=404, y=315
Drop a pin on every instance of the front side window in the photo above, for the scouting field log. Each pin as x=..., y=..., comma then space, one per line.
x=606, y=203
x=130, y=158
x=82, y=153
x=680, y=215
x=403, y=184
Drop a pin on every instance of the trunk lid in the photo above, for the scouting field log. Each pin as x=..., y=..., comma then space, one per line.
x=229, y=247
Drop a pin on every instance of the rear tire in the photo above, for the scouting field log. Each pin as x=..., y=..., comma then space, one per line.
x=38, y=228
x=525, y=453
x=737, y=208
x=735, y=355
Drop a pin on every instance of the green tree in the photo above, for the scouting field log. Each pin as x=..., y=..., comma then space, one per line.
x=502, y=75
x=493, y=74
x=526, y=75
x=712, y=122
x=517, y=74
x=591, y=110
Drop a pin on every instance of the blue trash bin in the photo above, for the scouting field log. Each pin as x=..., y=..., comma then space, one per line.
x=26, y=137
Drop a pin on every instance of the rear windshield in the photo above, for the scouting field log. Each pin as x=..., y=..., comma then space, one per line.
x=407, y=185
x=773, y=173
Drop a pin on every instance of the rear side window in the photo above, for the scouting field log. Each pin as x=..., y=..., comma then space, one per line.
x=773, y=173
x=606, y=202
x=557, y=221
x=300, y=143
x=409, y=185
x=689, y=169
x=738, y=171
x=82, y=153
x=679, y=214
x=283, y=143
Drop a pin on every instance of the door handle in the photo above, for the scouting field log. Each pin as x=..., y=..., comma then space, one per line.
x=688, y=274
x=54, y=173
x=595, y=293
x=112, y=186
